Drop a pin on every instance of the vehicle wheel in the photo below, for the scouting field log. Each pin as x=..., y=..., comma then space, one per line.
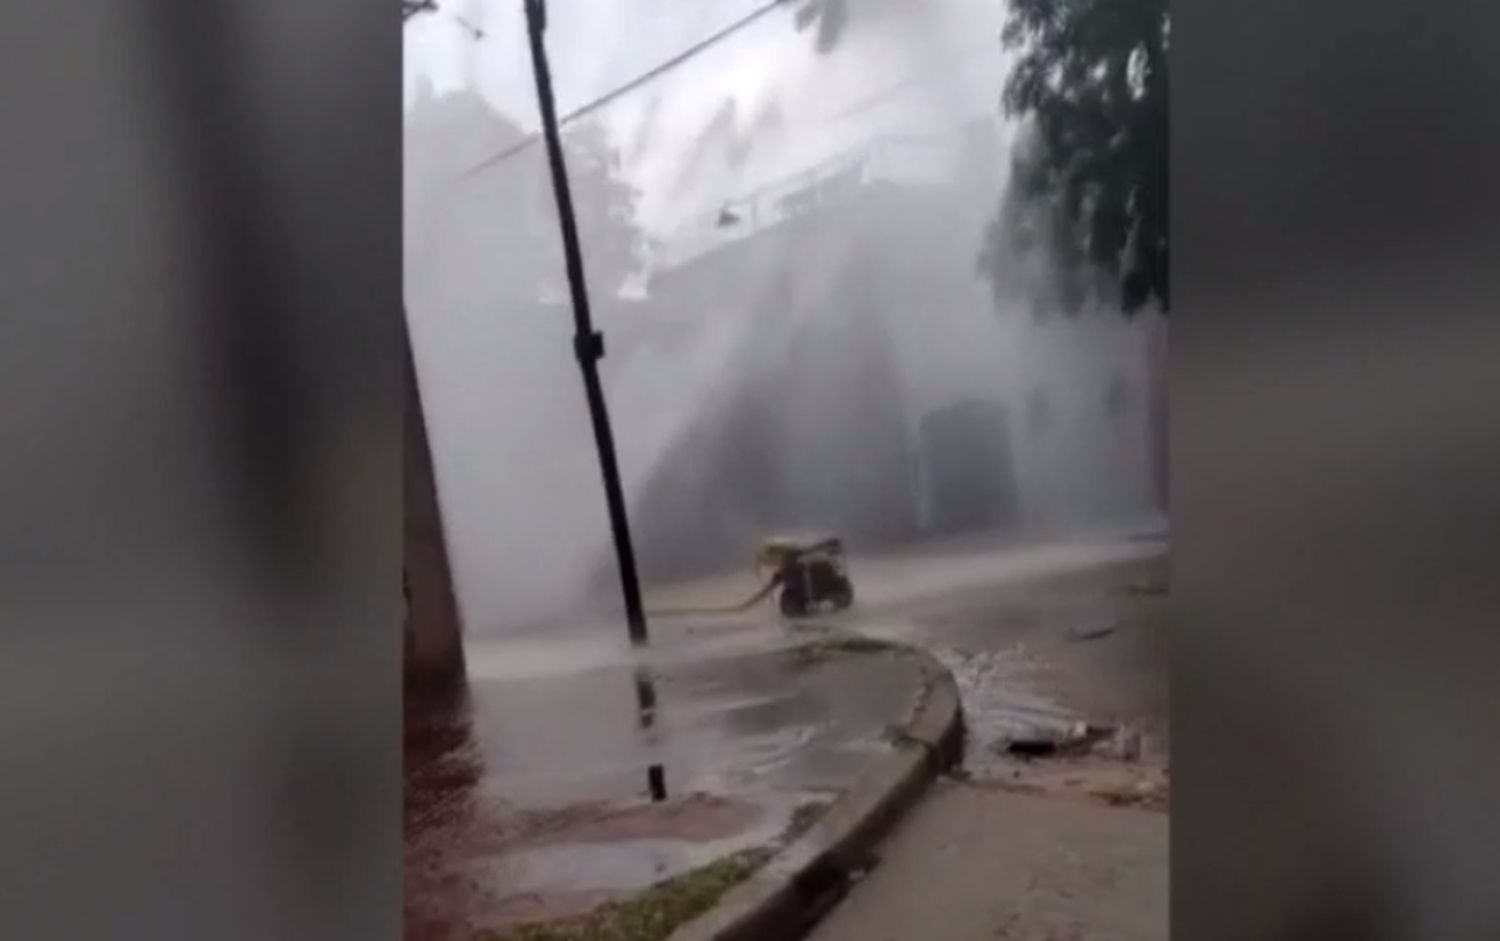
x=791, y=605
x=843, y=596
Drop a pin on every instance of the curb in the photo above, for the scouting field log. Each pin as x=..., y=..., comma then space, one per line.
x=797, y=886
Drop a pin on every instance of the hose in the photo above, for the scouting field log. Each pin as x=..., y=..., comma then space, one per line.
x=760, y=595
x=745, y=605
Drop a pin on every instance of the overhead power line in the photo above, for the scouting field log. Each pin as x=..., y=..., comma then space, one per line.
x=634, y=83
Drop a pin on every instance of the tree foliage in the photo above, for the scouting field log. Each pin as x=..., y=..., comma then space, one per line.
x=605, y=202
x=507, y=210
x=831, y=17
x=830, y=21
x=1085, y=212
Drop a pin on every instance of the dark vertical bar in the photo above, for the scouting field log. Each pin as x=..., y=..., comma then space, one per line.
x=254, y=329
x=588, y=344
x=645, y=698
x=645, y=702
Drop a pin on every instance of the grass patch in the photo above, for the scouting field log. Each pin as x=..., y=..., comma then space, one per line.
x=803, y=817
x=653, y=914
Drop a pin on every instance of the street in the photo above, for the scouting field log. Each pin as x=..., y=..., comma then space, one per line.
x=1040, y=635
x=576, y=770
x=1053, y=848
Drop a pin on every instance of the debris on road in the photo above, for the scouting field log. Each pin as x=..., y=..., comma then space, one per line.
x=1093, y=631
x=1123, y=745
x=1078, y=739
x=1138, y=786
x=1032, y=748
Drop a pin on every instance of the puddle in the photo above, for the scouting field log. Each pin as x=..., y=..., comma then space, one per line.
x=998, y=708
x=617, y=865
x=555, y=788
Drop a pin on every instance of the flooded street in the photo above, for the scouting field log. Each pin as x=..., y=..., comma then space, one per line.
x=1079, y=637
x=575, y=769
x=1040, y=635
x=1063, y=839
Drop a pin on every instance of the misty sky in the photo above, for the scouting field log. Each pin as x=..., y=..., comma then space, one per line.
x=903, y=67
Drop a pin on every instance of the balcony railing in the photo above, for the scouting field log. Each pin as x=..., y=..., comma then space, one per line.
x=909, y=160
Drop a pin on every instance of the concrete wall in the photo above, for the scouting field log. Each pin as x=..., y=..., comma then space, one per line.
x=803, y=429
x=870, y=387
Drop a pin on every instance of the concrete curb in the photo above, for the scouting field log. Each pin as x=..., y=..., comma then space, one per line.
x=785, y=897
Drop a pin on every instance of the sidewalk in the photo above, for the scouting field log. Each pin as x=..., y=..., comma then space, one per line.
x=975, y=864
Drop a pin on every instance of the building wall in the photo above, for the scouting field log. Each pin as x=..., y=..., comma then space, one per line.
x=803, y=426
x=874, y=390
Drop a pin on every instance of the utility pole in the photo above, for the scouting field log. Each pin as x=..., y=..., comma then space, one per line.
x=588, y=343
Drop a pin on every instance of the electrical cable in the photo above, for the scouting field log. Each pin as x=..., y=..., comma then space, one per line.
x=634, y=83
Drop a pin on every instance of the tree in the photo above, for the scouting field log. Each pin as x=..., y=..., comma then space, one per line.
x=829, y=21
x=1085, y=213
x=605, y=204
x=831, y=18
x=505, y=210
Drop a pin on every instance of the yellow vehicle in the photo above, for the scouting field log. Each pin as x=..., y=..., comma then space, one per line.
x=810, y=574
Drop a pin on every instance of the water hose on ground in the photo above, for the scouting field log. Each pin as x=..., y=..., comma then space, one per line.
x=745, y=605
x=761, y=563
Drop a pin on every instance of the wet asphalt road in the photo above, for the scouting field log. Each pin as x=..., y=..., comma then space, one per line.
x=1073, y=638
x=1040, y=636
x=575, y=768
